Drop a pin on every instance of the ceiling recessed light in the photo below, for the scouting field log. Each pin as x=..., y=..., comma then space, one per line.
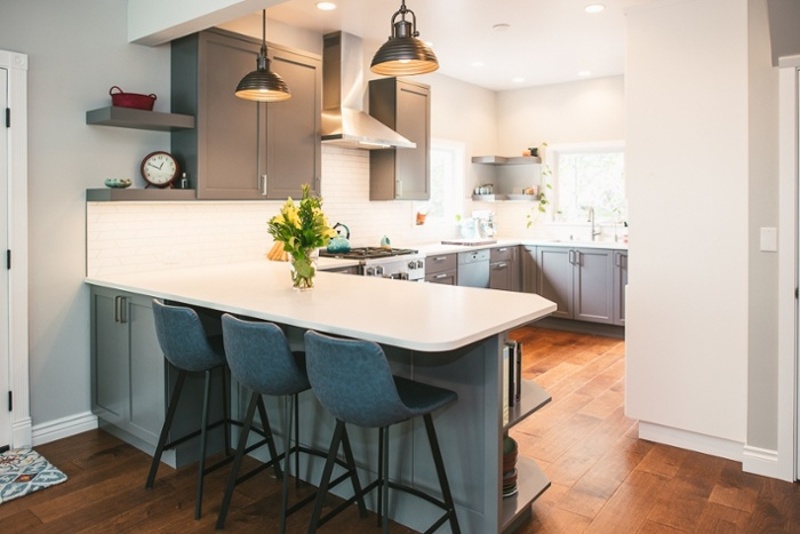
x=594, y=8
x=478, y=64
x=584, y=73
x=501, y=27
x=518, y=80
x=326, y=6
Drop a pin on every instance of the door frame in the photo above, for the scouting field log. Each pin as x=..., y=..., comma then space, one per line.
x=21, y=425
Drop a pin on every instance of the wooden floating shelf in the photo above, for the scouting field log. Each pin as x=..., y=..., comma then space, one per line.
x=143, y=195
x=139, y=119
x=531, y=398
x=502, y=160
x=531, y=483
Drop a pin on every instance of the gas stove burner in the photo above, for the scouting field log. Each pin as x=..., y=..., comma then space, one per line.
x=365, y=253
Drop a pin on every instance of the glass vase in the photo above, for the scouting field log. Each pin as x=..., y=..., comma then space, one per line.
x=303, y=267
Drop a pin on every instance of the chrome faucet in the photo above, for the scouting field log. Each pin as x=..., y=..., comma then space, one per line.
x=595, y=231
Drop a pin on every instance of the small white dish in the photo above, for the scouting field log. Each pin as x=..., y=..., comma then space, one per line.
x=118, y=183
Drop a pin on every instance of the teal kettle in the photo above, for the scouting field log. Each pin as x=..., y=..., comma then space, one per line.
x=341, y=242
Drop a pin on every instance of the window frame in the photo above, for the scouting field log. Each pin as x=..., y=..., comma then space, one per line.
x=551, y=160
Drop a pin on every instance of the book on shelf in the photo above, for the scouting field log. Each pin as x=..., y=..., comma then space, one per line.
x=512, y=377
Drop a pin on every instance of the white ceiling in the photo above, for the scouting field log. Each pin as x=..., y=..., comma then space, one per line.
x=548, y=41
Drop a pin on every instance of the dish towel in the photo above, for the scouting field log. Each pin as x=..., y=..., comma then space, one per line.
x=23, y=471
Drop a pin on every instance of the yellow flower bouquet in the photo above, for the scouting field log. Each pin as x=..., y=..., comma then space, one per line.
x=302, y=229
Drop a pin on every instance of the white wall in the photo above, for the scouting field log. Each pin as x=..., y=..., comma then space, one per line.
x=578, y=112
x=687, y=175
x=77, y=51
x=762, y=420
x=590, y=110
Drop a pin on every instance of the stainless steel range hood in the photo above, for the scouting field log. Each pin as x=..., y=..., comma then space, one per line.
x=344, y=122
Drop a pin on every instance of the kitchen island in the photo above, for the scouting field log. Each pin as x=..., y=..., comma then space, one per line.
x=449, y=336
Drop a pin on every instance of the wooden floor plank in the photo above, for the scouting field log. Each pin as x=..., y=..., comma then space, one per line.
x=604, y=479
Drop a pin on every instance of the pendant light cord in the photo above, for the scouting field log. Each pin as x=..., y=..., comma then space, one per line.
x=264, y=32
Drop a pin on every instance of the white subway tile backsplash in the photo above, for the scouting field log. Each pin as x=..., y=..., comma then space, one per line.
x=150, y=236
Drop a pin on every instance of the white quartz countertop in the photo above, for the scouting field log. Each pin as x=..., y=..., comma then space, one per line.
x=430, y=249
x=411, y=315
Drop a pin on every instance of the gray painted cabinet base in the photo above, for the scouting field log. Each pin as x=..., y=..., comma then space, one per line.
x=587, y=284
x=131, y=383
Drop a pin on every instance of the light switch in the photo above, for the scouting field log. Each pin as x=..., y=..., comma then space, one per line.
x=769, y=240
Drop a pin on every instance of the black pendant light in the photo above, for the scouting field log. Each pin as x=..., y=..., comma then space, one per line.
x=404, y=54
x=263, y=85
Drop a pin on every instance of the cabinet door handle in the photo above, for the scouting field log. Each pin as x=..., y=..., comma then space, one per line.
x=440, y=276
x=440, y=258
x=262, y=184
x=502, y=249
x=500, y=266
x=571, y=257
x=618, y=259
x=398, y=191
x=577, y=257
x=120, y=309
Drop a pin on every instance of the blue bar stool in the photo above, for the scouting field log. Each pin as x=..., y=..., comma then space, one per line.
x=187, y=347
x=261, y=360
x=353, y=381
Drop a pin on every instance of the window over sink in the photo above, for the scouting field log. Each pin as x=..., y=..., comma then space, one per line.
x=588, y=175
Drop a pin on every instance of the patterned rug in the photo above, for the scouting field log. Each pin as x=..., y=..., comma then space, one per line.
x=23, y=471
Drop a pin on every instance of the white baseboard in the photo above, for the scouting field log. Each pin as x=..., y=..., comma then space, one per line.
x=764, y=462
x=21, y=433
x=63, y=428
x=692, y=441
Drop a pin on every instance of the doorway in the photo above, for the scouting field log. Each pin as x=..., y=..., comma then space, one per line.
x=15, y=418
x=5, y=349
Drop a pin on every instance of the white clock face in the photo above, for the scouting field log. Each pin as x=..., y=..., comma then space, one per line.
x=159, y=169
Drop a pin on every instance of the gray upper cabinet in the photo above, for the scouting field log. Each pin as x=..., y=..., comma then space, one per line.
x=402, y=173
x=239, y=149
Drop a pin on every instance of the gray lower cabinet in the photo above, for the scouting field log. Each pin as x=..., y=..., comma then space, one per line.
x=441, y=269
x=620, y=281
x=131, y=380
x=579, y=280
x=504, y=268
x=529, y=269
x=402, y=173
x=128, y=368
x=243, y=150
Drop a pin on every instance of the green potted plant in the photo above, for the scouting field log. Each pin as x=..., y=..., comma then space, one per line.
x=545, y=187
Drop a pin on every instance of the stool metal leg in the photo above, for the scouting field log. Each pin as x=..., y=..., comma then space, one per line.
x=273, y=453
x=380, y=476
x=162, y=438
x=203, y=441
x=226, y=404
x=237, y=461
x=351, y=465
x=296, y=401
x=384, y=477
x=326, y=476
x=440, y=472
x=288, y=409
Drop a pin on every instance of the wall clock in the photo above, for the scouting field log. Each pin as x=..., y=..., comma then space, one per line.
x=160, y=169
